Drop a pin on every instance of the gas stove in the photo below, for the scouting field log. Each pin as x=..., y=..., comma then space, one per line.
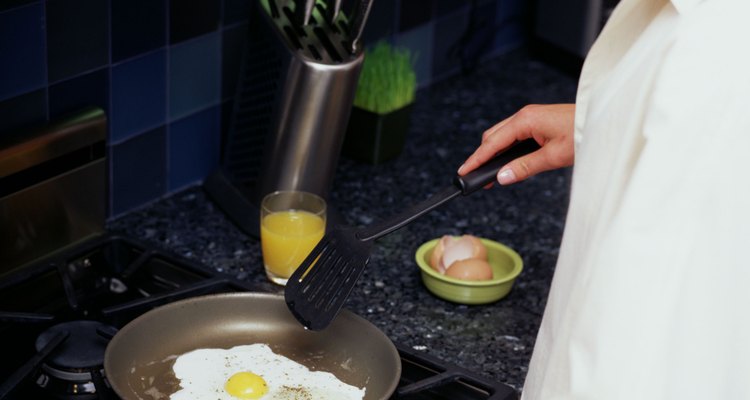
x=57, y=316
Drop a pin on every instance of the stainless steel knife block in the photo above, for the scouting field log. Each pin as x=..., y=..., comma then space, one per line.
x=290, y=112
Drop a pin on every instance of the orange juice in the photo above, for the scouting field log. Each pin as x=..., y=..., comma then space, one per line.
x=287, y=237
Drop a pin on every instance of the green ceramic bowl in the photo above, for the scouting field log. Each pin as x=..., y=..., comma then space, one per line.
x=506, y=265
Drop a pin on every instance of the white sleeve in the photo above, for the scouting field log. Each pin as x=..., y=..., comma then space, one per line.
x=684, y=223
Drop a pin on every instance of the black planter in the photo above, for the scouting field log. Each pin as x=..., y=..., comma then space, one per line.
x=375, y=138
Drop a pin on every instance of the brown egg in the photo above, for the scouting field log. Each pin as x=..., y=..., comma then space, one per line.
x=436, y=258
x=450, y=249
x=470, y=269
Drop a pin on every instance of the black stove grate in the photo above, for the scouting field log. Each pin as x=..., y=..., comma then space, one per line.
x=426, y=377
x=50, y=310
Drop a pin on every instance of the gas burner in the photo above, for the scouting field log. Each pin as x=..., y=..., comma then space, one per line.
x=75, y=367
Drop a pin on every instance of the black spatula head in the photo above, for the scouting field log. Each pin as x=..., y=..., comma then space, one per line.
x=317, y=290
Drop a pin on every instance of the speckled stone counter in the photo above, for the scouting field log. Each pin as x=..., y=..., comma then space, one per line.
x=494, y=340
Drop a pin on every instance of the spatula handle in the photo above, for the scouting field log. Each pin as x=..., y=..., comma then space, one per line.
x=467, y=184
x=487, y=173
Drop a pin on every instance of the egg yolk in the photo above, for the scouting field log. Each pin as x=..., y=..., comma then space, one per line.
x=246, y=385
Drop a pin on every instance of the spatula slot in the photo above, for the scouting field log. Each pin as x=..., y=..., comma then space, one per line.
x=313, y=274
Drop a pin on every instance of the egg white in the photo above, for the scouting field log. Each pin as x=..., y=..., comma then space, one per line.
x=203, y=373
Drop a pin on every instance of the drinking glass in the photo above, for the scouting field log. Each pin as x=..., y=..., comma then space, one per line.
x=291, y=224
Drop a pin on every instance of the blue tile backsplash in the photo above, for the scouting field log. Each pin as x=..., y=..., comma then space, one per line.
x=138, y=170
x=28, y=69
x=165, y=71
x=77, y=36
x=73, y=94
x=139, y=95
x=193, y=148
x=194, y=76
x=137, y=27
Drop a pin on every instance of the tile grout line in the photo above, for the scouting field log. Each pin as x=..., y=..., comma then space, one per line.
x=168, y=97
x=45, y=45
x=110, y=145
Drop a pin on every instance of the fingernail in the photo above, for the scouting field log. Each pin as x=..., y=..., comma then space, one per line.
x=460, y=168
x=506, y=176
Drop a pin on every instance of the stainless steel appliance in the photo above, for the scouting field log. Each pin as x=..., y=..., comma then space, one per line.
x=292, y=105
x=52, y=187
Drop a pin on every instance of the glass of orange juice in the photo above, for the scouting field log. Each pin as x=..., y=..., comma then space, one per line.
x=291, y=224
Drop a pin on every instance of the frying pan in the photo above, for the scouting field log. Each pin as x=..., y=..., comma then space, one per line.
x=138, y=360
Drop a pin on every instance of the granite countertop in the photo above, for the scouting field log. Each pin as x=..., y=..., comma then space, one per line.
x=493, y=340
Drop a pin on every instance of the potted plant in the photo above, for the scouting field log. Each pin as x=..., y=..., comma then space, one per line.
x=383, y=101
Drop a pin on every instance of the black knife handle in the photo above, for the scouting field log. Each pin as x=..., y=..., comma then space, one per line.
x=487, y=173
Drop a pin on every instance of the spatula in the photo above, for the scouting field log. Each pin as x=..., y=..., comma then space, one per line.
x=317, y=290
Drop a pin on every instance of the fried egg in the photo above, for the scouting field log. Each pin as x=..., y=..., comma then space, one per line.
x=254, y=372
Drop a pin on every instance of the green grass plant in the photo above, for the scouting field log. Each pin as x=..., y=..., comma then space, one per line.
x=387, y=81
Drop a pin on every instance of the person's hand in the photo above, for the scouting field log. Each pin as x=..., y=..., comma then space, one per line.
x=550, y=125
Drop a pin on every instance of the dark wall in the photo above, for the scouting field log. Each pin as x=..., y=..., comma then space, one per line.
x=164, y=71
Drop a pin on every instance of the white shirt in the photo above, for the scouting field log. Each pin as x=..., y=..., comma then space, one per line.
x=651, y=293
